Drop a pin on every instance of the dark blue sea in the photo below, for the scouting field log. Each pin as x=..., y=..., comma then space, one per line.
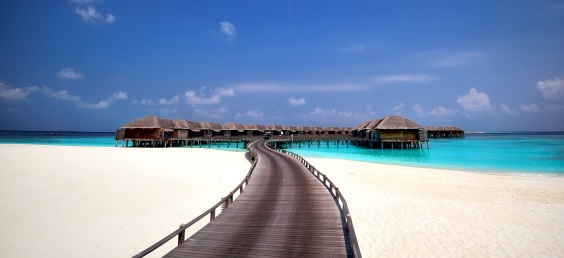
x=534, y=153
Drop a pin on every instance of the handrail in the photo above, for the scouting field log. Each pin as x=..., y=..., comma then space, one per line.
x=224, y=202
x=338, y=195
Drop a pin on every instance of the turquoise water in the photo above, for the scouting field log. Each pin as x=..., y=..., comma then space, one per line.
x=92, y=139
x=98, y=139
x=525, y=153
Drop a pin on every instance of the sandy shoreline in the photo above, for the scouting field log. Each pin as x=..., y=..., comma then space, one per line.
x=114, y=202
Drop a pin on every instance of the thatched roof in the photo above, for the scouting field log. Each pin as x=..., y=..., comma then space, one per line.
x=346, y=129
x=430, y=128
x=210, y=126
x=274, y=127
x=361, y=126
x=233, y=127
x=306, y=129
x=449, y=128
x=255, y=127
x=150, y=122
x=373, y=124
x=397, y=123
x=316, y=128
x=185, y=124
x=293, y=129
x=331, y=129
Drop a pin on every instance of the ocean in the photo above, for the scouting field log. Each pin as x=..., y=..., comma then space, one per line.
x=531, y=153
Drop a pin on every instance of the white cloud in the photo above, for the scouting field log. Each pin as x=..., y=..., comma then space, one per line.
x=531, y=107
x=508, y=110
x=251, y=113
x=168, y=111
x=370, y=110
x=7, y=92
x=320, y=112
x=172, y=101
x=419, y=110
x=91, y=15
x=211, y=113
x=403, y=78
x=228, y=29
x=64, y=95
x=398, y=110
x=437, y=111
x=273, y=87
x=102, y=104
x=194, y=99
x=441, y=111
x=296, y=102
x=119, y=95
x=474, y=101
x=225, y=92
x=552, y=90
x=458, y=59
x=69, y=74
x=147, y=102
x=21, y=94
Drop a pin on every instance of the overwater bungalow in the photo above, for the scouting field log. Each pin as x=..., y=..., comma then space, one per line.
x=444, y=132
x=233, y=129
x=316, y=130
x=449, y=132
x=331, y=130
x=399, y=132
x=432, y=132
x=183, y=129
x=346, y=130
x=255, y=130
x=210, y=129
x=148, y=131
x=289, y=130
x=274, y=129
x=392, y=132
x=306, y=130
x=360, y=129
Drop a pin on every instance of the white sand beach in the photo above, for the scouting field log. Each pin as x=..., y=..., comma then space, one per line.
x=418, y=212
x=106, y=202
x=114, y=202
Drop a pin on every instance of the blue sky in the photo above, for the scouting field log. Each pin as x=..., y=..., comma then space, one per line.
x=94, y=65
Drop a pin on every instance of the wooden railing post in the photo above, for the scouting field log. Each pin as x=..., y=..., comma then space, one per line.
x=181, y=235
x=337, y=193
x=212, y=215
x=230, y=197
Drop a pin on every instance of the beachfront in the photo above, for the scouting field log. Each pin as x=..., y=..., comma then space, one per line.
x=114, y=202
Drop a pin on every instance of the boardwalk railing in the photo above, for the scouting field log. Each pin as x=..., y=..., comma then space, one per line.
x=224, y=203
x=334, y=190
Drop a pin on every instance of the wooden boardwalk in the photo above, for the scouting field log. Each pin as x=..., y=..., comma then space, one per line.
x=283, y=212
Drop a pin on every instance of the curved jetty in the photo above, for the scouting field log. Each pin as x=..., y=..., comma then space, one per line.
x=283, y=212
